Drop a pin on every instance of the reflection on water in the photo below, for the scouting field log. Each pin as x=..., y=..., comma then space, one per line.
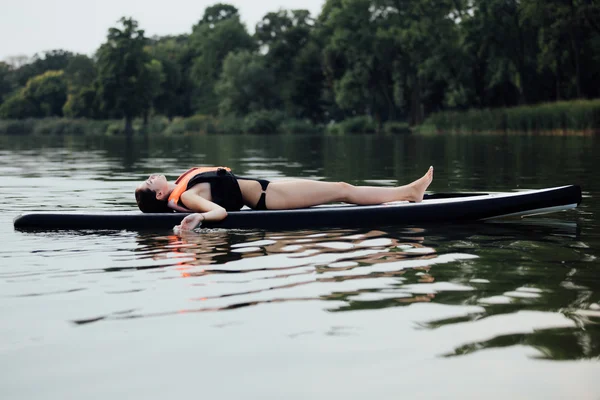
x=405, y=294
x=491, y=267
x=337, y=265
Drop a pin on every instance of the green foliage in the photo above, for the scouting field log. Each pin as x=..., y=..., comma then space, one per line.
x=262, y=122
x=54, y=60
x=82, y=100
x=358, y=124
x=246, y=85
x=170, y=98
x=5, y=84
x=80, y=72
x=218, y=13
x=17, y=126
x=351, y=55
x=299, y=126
x=48, y=92
x=231, y=125
x=293, y=56
x=155, y=78
x=125, y=72
x=394, y=60
x=204, y=124
x=176, y=127
x=59, y=126
x=306, y=85
x=81, y=103
x=17, y=107
x=200, y=124
x=218, y=34
x=115, y=129
x=393, y=127
x=156, y=124
x=53, y=126
x=579, y=115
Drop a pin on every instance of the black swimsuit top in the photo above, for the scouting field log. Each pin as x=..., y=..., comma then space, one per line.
x=224, y=188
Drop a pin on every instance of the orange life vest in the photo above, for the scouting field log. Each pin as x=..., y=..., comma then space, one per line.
x=182, y=183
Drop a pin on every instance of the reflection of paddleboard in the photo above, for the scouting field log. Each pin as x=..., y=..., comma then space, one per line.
x=435, y=208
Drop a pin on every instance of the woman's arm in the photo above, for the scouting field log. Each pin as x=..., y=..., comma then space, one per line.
x=204, y=211
x=196, y=203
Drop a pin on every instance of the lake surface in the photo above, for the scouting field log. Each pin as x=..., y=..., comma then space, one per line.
x=507, y=310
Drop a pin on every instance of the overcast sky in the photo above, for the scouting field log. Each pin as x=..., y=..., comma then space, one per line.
x=33, y=26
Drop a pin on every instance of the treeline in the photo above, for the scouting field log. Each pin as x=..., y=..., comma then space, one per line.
x=364, y=61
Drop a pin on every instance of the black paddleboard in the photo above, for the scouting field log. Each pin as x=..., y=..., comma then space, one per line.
x=435, y=208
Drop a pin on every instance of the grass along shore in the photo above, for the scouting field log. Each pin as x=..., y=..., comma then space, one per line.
x=263, y=122
x=575, y=116
x=566, y=117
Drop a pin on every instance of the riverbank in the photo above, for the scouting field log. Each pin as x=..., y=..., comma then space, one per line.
x=255, y=123
x=564, y=117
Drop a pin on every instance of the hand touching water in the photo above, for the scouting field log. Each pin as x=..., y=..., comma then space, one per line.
x=190, y=222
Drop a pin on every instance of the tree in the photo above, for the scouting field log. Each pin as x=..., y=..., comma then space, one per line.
x=81, y=103
x=80, y=71
x=304, y=98
x=283, y=36
x=211, y=41
x=43, y=96
x=81, y=75
x=53, y=60
x=48, y=92
x=5, y=84
x=356, y=63
x=246, y=85
x=123, y=74
x=218, y=13
x=284, y=28
x=565, y=39
x=155, y=79
x=17, y=107
x=171, y=96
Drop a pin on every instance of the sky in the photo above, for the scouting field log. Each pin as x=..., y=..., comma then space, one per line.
x=33, y=26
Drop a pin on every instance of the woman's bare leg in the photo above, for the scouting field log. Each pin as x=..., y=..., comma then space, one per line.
x=306, y=193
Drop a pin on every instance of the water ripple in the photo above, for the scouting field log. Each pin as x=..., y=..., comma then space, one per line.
x=376, y=300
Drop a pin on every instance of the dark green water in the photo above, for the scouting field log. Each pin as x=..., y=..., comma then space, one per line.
x=494, y=310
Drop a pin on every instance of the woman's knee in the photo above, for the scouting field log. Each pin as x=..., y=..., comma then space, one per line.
x=345, y=191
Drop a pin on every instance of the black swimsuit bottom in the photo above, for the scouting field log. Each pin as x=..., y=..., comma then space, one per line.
x=225, y=190
x=262, y=202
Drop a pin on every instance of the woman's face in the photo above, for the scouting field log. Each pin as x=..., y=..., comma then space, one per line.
x=158, y=184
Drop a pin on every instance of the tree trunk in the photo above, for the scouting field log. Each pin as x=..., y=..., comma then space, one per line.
x=378, y=120
x=575, y=46
x=128, y=126
x=576, y=61
x=557, y=81
x=523, y=97
x=389, y=99
x=416, y=108
x=145, y=124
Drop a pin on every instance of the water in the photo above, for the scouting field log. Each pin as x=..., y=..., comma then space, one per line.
x=485, y=310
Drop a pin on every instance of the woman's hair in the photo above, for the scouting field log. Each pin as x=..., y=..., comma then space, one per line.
x=148, y=203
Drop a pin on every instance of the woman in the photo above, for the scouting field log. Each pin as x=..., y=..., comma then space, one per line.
x=210, y=192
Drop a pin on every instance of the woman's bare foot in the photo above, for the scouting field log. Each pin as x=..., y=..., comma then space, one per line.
x=420, y=185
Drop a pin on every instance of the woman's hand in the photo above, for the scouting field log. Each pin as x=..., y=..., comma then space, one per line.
x=190, y=222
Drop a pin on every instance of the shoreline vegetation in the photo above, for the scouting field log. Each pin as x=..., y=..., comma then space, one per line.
x=195, y=125
x=566, y=117
x=360, y=66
